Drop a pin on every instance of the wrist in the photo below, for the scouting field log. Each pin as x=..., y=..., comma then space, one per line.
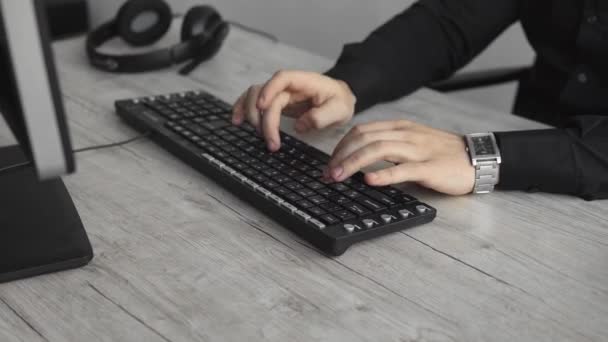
x=347, y=91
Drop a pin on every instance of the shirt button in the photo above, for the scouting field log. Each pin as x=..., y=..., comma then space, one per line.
x=591, y=19
x=582, y=77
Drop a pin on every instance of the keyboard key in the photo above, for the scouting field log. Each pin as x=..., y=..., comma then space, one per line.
x=272, y=184
x=260, y=178
x=259, y=166
x=302, y=179
x=403, y=198
x=314, y=173
x=213, y=125
x=315, y=185
x=305, y=192
x=393, y=192
x=327, y=192
x=380, y=197
x=330, y=219
x=357, y=208
x=293, y=197
x=293, y=186
x=197, y=129
x=230, y=161
x=351, y=194
x=271, y=172
x=279, y=166
x=316, y=211
x=339, y=187
x=304, y=204
x=344, y=215
x=359, y=186
x=282, y=179
x=369, y=203
x=281, y=191
x=293, y=173
x=250, y=172
x=329, y=206
x=340, y=199
x=317, y=223
x=317, y=199
x=303, y=215
x=240, y=166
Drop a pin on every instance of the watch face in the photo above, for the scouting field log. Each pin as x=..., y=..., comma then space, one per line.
x=483, y=146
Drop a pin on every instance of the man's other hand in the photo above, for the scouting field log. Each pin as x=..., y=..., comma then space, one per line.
x=433, y=158
x=317, y=101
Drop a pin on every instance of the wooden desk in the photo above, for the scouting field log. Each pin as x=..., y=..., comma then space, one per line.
x=178, y=258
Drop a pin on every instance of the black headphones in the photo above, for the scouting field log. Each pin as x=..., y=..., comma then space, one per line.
x=143, y=22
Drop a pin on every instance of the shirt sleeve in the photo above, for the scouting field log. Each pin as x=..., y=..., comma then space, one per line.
x=573, y=160
x=429, y=41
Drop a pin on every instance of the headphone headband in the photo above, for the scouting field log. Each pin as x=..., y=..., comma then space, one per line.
x=194, y=47
x=138, y=62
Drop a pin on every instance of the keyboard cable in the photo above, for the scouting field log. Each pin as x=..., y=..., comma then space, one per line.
x=80, y=150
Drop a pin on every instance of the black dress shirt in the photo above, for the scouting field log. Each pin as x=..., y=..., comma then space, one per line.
x=567, y=87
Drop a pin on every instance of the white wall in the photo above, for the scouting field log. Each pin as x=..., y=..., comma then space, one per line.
x=323, y=26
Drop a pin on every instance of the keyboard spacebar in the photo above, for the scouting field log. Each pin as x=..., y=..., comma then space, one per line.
x=262, y=190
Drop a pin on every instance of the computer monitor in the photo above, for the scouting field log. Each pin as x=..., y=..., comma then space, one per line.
x=40, y=229
x=30, y=100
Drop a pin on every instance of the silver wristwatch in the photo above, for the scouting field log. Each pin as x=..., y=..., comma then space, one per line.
x=485, y=157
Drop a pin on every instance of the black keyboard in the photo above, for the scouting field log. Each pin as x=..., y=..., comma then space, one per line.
x=287, y=184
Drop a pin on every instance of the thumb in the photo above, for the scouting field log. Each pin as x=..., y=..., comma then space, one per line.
x=318, y=117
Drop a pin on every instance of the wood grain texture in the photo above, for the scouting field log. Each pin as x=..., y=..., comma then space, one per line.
x=178, y=258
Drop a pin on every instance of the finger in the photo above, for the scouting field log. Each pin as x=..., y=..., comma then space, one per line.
x=374, y=152
x=238, y=110
x=272, y=119
x=296, y=108
x=319, y=117
x=406, y=172
x=351, y=143
x=307, y=83
x=372, y=127
x=252, y=113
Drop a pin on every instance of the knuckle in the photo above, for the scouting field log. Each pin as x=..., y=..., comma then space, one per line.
x=356, y=158
x=280, y=73
x=380, y=145
x=406, y=123
x=363, y=137
x=314, y=120
x=357, y=129
x=391, y=174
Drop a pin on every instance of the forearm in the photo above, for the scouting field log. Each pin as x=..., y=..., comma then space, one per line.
x=427, y=42
x=573, y=160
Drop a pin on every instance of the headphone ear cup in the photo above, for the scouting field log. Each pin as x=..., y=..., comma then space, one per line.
x=142, y=22
x=200, y=21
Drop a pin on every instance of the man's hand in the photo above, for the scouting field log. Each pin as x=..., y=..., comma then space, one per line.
x=317, y=101
x=433, y=158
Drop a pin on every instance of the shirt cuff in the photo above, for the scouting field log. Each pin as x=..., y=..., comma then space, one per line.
x=536, y=160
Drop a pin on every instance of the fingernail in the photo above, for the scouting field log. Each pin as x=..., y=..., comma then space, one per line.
x=272, y=146
x=337, y=172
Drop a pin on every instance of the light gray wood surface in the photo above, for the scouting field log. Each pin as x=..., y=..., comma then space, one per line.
x=178, y=258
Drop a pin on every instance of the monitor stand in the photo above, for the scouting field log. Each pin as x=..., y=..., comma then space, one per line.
x=40, y=230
